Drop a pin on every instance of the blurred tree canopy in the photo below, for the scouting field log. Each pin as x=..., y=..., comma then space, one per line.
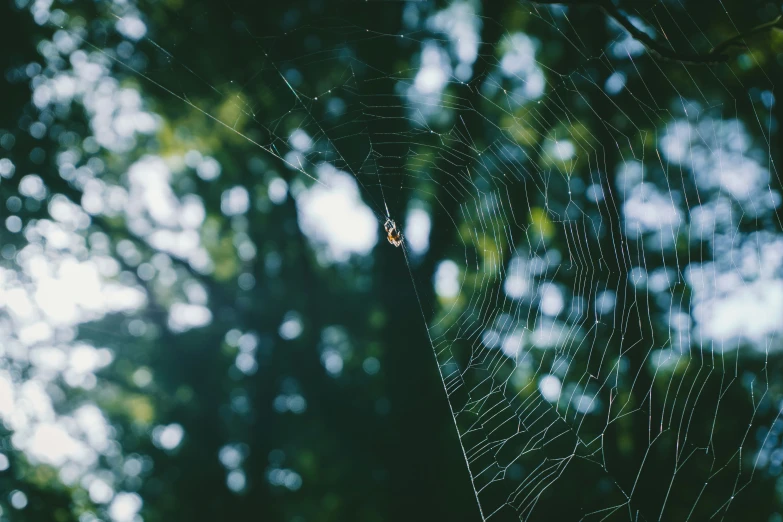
x=200, y=318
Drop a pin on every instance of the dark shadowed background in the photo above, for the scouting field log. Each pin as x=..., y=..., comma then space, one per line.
x=201, y=318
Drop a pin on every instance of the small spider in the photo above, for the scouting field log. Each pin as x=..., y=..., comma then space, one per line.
x=392, y=234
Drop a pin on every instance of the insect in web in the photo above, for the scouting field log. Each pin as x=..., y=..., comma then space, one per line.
x=392, y=234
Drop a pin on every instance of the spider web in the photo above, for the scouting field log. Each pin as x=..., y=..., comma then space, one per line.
x=583, y=322
x=580, y=322
x=609, y=291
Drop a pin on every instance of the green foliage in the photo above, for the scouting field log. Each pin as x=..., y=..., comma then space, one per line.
x=266, y=430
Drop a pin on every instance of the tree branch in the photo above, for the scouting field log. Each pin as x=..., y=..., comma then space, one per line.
x=718, y=54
